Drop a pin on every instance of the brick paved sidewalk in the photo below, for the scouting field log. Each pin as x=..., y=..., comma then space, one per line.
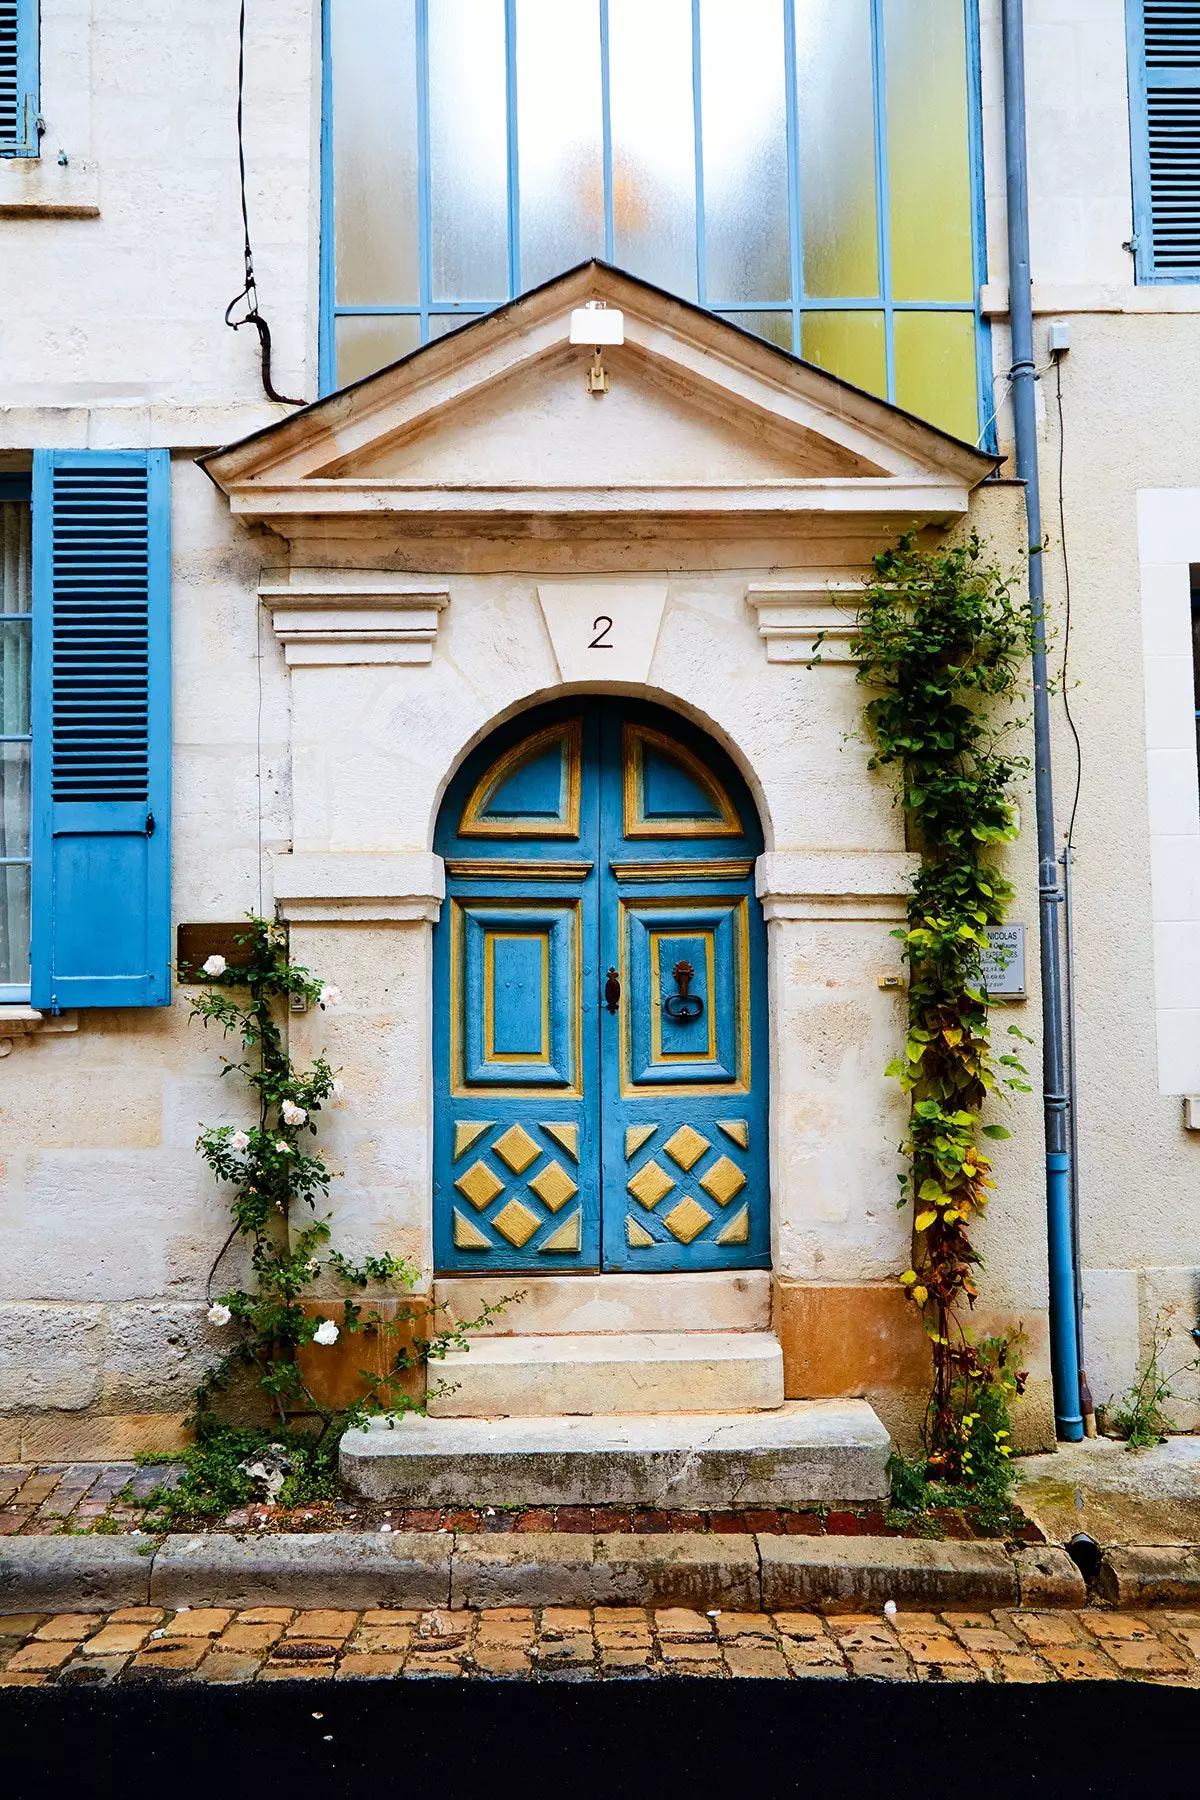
x=85, y=1497
x=272, y=1643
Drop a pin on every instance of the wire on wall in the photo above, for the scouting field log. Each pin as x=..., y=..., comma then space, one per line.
x=249, y=293
x=1062, y=532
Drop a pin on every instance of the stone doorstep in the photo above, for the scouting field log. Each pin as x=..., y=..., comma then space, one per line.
x=642, y=1372
x=803, y=1451
x=699, y=1570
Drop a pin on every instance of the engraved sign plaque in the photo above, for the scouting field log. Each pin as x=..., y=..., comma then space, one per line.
x=1002, y=964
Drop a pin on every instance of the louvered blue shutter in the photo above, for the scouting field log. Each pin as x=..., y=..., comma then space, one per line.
x=101, y=728
x=1164, y=111
x=18, y=77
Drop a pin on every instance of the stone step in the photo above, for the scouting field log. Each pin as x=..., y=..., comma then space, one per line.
x=670, y=1300
x=803, y=1452
x=618, y=1372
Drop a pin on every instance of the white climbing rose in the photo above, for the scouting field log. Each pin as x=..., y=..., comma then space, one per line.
x=214, y=966
x=282, y=1149
x=239, y=1141
x=219, y=1314
x=326, y=1332
x=339, y=1088
x=330, y=996
x=293, y=1114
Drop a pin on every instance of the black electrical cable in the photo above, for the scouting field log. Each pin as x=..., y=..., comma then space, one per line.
x=1062, y=532
x=249, y=293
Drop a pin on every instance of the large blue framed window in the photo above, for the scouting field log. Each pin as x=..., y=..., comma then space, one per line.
x=18, y=77
x=1164, y=137
x=810, y=169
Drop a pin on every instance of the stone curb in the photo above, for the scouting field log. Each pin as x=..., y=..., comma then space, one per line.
x=1150, y=1574
x=850, y=1572
x=736, y=1572
x=58, y=1574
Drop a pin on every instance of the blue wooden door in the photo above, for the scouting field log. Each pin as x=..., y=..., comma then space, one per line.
x=599, y=1018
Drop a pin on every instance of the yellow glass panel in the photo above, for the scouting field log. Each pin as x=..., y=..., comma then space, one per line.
x=929, y=177
x=849, y=344
x=935, y=370
x=365, y=344
x=836, y=127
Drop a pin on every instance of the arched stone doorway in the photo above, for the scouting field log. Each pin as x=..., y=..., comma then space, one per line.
x=600, y=1043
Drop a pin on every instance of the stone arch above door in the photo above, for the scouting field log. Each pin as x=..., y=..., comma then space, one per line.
x=600, y=1030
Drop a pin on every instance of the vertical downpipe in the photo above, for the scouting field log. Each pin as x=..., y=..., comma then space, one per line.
x=1064, y=1346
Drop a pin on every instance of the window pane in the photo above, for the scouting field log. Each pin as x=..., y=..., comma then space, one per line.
x=441, y=323
x=14, y=799
x=653, y=141
x=14, y=925
x=776, y=327
x=849, y=344
x=373, y=46
x=935, y=370
x=14, y=676
x=836, y=125
x=928, y=169
x=559, y=135
x=16, y=556
x=364, y=345
x=745, y=150
x=468, y=150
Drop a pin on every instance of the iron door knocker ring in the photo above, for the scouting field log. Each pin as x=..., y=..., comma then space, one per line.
x=683, y=1007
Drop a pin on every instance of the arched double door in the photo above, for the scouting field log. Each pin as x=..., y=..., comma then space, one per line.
x=599, y=1001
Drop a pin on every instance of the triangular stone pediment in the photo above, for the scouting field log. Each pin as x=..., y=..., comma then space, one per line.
x=495, y=421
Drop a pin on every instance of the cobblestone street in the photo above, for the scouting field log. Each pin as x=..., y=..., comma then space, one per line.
x=274, y=1643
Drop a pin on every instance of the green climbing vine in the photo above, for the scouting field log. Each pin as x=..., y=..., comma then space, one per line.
x=276, y=1177
x=942, y=641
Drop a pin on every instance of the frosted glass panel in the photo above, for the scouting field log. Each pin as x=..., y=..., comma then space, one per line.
x=836, y=126
x=14, y=800
x=776, y=327
x=928, y=171
x=15, y=647
x=441, y=323
x=935, y=370
x=373, y=44
x=848, y=344
x=559, y=133
x=745, y=150
x=468, y=150
x=16, y=556
x=364, y=345
x=653, y=141
x=14, y=925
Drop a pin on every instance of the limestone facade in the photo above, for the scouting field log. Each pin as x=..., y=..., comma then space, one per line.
x=311, y=782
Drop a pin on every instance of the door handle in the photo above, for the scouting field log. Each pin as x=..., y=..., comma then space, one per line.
x=682, y=1006
x=612, y=990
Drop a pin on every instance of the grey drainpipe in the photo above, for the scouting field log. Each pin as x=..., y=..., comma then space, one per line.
x=1064, y=1342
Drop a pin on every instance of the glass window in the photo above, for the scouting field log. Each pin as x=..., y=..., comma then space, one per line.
x=803, y=167
x=16, y=593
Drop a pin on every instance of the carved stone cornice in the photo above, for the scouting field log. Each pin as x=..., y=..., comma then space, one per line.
x=792, y=615
x=835, y=884
x=331, y=887
x=324, y=617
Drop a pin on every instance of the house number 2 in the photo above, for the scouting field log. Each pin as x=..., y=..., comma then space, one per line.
x=602, y=626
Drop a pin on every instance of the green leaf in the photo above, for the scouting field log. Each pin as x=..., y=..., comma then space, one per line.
x=995, y=1131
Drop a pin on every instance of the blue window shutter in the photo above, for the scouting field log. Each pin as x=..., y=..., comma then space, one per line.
x=18, y=77
x=1164, y=118
x=101, y=728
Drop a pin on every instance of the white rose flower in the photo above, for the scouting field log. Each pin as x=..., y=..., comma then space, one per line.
x=293, y=1114
x=339, y=1088
x=218, y=1314
x=326, y=1332
x=214, y=966
x=239, y=1141
x=330, y=996
x=282, y=1149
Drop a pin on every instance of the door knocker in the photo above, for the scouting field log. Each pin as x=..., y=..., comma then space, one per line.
x=682, y=1006
x=612, y=990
